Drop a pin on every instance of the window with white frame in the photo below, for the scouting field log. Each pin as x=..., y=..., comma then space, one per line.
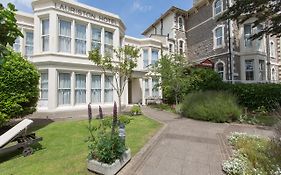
x=155, y=89
x=272, y=49
x=259, y=41
x=45, y=35
x=181, y=47
x=80, y=39
x=247, y=35
x=218, y=7
x=80, y=88
x=181, y=23
x=44, y=86
x=154, y=56
x=96, y=89
x=261, y=70
x=108, y=43
x=218, y=37
x=249, y=70
x=145, y=58
x=16, y=45
x=220, y=70
x=64, y=88
x=28, y=44
x=108, y=89
x=64, y=36
x=146, y=88
x=96, y=39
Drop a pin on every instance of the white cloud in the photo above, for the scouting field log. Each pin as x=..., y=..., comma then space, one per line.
x=137, y=6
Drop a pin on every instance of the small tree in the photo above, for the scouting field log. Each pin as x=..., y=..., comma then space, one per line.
x=172, y=70
x=8, y=29
x=122, y=68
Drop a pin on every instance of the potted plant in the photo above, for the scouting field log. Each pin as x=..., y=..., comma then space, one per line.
x=107, y=150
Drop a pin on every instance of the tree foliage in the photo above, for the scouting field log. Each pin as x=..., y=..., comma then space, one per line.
x=172, y=70
x=8, y=29
x=18, y=87
x=267, y=12
x=121, y=69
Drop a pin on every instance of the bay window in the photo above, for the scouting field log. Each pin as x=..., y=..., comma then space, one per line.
x=108, y=45
x=45, y=35
x=154, y=57
x=64, y=88
x=145, y=58
x=80, y=39
x=28, y=44
x=96, y=89
x=80, y=88
x=44, y=86
x=64, y=36
x=108, y=89
x=249, y=69
x=96, y=39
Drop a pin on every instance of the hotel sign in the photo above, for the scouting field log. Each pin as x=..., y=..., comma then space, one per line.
x=85, y=13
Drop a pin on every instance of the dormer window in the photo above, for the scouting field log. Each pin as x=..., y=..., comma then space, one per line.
x=181, y=23
x=218, y=7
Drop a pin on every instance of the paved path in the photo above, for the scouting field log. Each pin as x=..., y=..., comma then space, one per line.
x=185, y=147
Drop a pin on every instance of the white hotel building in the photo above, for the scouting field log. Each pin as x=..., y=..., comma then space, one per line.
x=57, y=39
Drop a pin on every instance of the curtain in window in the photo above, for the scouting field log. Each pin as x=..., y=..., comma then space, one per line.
x=80, y=45
x=29, y=44
x=108, y=89
x=16, y=45
x=45, y=35
x=145, y=58
x=154, y=56
x=44, y=86
x=96, y=38
x=219, y=36
x=96, y=89
x=64, y=88
x=80, y=90
x=65, y=36
x=247, y=35
x=155, y=90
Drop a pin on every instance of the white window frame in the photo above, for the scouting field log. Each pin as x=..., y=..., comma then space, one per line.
x=59, y=88
x=262, y=71
x=46, y=89
x=145, y=60
x=245, y=38
x=17, y=44
x=153, y=61
x=93, y=89
x=251, y=70
x=155, y=90
x=224, y=72
x=273, y=74
x=108, y=88
x=108, y=45
x=28, y=45
x=80, y=39
x=64, y=36
x=272, y=53
x=181, y=27
x=179, y=46
x=214, y=8
x=80, y=89
x=94, y=41
x=146, y=88
x=216, y=46
x=45, y=36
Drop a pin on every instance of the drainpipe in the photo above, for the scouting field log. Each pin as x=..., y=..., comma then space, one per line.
x=229, y=48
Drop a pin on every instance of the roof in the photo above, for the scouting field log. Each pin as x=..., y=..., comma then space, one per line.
x=172, y=9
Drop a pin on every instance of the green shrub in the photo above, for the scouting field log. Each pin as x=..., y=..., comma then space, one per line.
x=125, y=119
x=254, y=96
x=136, y=110
x=211, y=106
x=19, y=90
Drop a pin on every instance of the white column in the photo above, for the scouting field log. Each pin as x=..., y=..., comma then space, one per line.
x=52, y=89
x=72, y=78
x=256, y=70
x=88, y=37
x=116, y=41
x=22, y=42
x=88, y=87
x=102, y=88
x=53, y=32
x=125, y=94
x=102, y=42
x=150, y=86
x=72, y=37
x=142, y=91
x=37, y=47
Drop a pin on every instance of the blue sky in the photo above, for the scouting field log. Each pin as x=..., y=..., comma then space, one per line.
x=136, y=14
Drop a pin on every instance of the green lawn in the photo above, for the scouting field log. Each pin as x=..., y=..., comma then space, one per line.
x=64, y=150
